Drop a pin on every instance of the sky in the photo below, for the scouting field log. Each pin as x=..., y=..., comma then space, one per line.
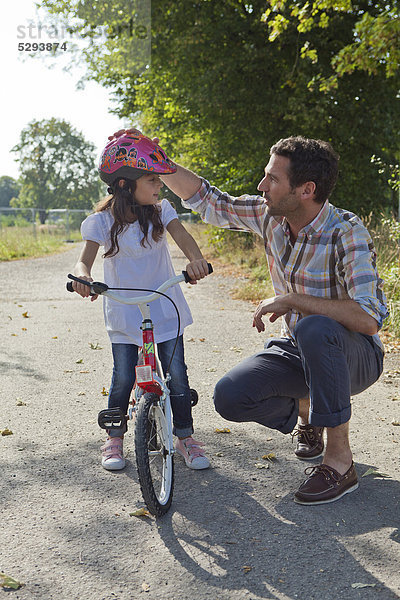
x=32, y=91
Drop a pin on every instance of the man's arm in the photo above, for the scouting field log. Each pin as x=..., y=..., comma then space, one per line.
x=183, y=183
x=347, y=312
x=244, y=213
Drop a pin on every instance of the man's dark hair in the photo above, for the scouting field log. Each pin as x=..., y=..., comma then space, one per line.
x=310, y=160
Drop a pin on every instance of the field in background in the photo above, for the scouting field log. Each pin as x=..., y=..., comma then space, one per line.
x=24, y=242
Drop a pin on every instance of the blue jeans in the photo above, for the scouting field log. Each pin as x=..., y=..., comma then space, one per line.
x=327, y=362
x=123, y=378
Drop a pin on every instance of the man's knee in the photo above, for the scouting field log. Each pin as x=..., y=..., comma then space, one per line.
x=225, y=399
x=315, y=329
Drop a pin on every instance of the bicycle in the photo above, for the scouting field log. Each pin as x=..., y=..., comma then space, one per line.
x=150, y=405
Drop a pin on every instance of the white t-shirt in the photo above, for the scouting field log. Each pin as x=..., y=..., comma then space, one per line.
x=140, y=267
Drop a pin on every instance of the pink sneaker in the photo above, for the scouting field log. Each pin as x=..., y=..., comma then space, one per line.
x=192, y=453
x=113, y=456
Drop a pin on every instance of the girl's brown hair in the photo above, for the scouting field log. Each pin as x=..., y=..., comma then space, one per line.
x=122, y=204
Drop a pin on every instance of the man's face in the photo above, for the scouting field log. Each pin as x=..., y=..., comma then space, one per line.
x=281, y=199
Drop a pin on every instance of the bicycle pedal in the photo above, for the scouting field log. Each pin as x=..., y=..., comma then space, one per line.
x=111, y=418
x=194, y=397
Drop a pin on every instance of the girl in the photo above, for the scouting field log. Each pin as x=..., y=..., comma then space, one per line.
x=131, y=225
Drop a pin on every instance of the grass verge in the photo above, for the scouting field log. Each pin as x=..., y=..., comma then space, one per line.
x=20, y=242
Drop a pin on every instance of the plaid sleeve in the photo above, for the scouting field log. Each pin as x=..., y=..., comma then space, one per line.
x=245, y=213
x=357, y=272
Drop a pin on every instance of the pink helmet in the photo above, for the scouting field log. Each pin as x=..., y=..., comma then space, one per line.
x=131, y=155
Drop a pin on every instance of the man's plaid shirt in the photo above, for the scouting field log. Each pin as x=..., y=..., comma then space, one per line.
x=333, y=256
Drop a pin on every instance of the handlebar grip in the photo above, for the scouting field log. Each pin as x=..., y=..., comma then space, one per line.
x=187, y=278
x=97, y=286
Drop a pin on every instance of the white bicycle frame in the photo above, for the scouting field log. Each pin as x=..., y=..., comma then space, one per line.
x=143, y=303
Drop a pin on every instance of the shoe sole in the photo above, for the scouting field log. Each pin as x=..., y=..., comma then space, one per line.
x=113, y=467
x=309, y=457
x=305, y=503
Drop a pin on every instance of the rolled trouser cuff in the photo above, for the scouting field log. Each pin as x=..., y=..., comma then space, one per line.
x=183, y=433
x=330, y=420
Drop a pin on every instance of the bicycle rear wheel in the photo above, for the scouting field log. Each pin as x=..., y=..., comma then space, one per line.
x=154, y=459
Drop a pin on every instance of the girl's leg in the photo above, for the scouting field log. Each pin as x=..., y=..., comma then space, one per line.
x=123, y=378
x=186, y=446
x=179, y=386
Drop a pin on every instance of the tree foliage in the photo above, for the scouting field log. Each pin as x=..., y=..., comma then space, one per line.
x=375, y=44
x=9, y=188
x=58, y=167
x=218, y=93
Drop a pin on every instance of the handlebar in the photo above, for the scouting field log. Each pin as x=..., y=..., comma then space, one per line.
x=97, y=287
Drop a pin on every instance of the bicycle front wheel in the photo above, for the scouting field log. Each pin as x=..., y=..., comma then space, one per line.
x=154, y=458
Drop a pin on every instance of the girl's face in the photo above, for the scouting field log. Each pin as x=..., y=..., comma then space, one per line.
x=148, y=189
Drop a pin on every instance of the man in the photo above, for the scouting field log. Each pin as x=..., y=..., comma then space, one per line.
x=323, y=268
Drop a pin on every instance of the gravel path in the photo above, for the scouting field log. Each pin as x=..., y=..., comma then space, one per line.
x=233, y=531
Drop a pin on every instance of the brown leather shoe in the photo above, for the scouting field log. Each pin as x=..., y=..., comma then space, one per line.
x=324, y=484
x=310, y=441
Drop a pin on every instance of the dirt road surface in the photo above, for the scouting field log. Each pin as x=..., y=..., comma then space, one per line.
x=233, y=531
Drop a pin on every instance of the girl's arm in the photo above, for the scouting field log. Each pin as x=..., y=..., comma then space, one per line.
x=197, y=267
x=84, y=266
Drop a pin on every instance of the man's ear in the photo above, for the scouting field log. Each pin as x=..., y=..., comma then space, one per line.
x=309, y=189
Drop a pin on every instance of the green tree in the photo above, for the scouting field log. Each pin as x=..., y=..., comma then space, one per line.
x=9, y=188
x=58, y=167
x=219, y=94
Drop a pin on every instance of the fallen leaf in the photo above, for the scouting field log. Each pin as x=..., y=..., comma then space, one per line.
x=68, y=371
x=25, y=315
x=374, y=473
x=20, y=402
x=211, y=369
x=145, y=587
x=235, y=349
x=218, y=454
x=141, y=512
x=9, y=582
x=362, y=585
x=95, y=346
x=271, y=456
x=104, y=392
x=396, y=399
x=261, y=465
x=396, y=423
x=24, y=329
x=84, y=371
x=55, y=337
x=191, y=340
x=6, y=431
x=79, y=361
x=14, y=335
x=202, y=339
x=82, y=394
x=223, y=430
x=247, y=569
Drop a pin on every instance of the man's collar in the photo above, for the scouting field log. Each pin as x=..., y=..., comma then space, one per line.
x=312, y=228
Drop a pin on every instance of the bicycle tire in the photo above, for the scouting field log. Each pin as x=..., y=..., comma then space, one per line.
x=154, y=460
